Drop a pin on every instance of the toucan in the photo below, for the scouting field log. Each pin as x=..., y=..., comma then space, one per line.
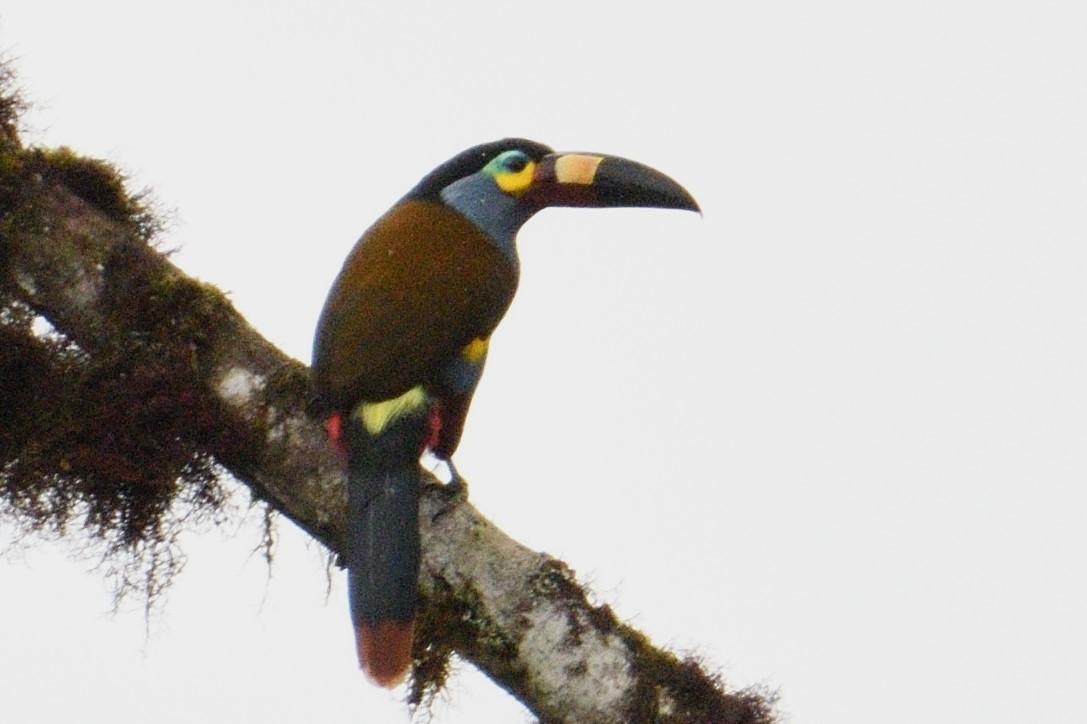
x=403, y=337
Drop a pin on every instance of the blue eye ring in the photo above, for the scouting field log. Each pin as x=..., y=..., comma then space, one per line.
x=515, y=162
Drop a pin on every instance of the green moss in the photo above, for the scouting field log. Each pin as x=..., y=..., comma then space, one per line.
x=93, y=180
x=171, y=307
x=450, y=620
x=27, y=174
x=16, y=216
x=107, y=444
x=12, y=106
x=699, y=695
x=110, y=441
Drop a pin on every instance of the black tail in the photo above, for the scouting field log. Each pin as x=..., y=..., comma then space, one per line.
x=383, y=548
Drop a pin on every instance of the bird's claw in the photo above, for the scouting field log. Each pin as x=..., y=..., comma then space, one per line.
x=457, y=486
x=455, y=491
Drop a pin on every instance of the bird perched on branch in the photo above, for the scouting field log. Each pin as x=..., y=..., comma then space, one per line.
x=403, y=337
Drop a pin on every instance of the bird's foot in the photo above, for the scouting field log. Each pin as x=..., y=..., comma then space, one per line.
x=457, y=487
x=455, y=491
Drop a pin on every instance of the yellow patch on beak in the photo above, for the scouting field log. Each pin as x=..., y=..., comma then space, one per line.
x=576, y=168
x=475, y=350
x=376, y=416
x=516, y=183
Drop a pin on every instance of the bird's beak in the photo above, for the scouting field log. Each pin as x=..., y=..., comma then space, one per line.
x=586, y=179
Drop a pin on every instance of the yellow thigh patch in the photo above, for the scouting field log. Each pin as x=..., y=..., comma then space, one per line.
x=475, y=350
x=376, y=416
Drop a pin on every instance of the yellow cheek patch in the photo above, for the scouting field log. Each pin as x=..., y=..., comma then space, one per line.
x=475, y=350
x=376, y=416
x=518, y=182
x=576, y=168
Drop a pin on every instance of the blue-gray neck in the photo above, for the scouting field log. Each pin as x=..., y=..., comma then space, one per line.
x=496, y=213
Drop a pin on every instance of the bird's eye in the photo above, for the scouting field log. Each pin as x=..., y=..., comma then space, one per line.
x=515, y=162
x=512, y=171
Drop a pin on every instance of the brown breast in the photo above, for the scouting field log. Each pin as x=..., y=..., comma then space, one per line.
x=421, y=283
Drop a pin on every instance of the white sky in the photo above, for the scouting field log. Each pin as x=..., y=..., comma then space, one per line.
x=831, y=436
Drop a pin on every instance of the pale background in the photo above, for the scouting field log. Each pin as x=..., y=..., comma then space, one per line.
x=831, y=436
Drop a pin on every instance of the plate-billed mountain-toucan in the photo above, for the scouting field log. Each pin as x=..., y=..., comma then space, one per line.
x=403, y=336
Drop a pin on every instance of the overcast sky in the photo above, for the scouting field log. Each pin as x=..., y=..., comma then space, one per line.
x=831, y=436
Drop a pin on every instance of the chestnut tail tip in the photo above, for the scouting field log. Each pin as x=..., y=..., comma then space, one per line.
x=384, y=651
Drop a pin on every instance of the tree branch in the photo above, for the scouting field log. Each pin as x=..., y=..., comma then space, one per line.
x=70, y=250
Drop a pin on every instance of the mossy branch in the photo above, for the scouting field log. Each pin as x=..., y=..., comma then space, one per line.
x=153, y=379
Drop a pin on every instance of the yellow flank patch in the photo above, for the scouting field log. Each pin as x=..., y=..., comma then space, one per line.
x=576, y=168
x=517, y=182
x=475, y=350
x=376, y=416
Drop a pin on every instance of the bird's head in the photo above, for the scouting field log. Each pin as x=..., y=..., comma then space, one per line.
x=500, y=185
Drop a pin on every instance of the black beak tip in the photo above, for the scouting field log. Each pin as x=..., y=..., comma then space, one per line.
x=688, y=203
x=629, y=183
x=679, y=199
